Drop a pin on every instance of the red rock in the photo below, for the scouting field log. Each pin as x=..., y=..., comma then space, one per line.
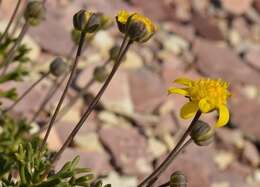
x=250, y=154
x=252, y=57
x=128, y=148
x=244, y=114
x=221, y=62
x=206, y=28
x=147, y=90
x=257, y=5
x=235, y=7
x=187, y=32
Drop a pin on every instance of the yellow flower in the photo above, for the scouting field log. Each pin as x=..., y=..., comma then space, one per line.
x=205, y=95
x=136, y=26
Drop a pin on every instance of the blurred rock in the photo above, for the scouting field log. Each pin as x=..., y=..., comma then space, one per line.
x=132, y=61
x=206, y=27
x=242, y=109
x=257, y=5
x=156, y=147
x=250, y=154
x=253, y=56
x=115, y=179
x=103, y=41
x=237, y=8
x=147, y=90
x=89, y=142
x=220, y=61
x=128, y=148
x=224, y=159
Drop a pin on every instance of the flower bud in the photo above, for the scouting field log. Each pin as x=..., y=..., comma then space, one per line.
x=138, y=27
x=100, y=73
x=34, y=12
x=178, y=179
x=58, y=67
x=113, y=52
x=86, y=21
x=202, y=134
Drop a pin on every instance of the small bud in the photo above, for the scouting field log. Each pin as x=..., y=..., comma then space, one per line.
x=58, y=67
x=202, y=134
x=178, y=179
x=113, y=52
x=34, y=12
x=86, y=21
x=100, y=73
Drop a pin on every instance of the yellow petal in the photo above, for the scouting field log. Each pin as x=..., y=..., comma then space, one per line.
x=205, y=106
x=180, y=91
x=189, y=110
x=223, y=116
x=184, y=81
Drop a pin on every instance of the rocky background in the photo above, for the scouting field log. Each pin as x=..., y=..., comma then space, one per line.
x=137, y=124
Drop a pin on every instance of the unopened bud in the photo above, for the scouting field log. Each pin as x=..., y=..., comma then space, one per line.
x=178, y=179
x=100, y=73
x=86, y=21
x=34, y=12
x=138, y=27
x=113, y=52
x=58, y=67
x=202, y=133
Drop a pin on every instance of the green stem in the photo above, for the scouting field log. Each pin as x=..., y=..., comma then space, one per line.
x=27, y=91
x=95, y=100
x=11, y=54
x=73, y=70
x=10, y=21
x=164, y=165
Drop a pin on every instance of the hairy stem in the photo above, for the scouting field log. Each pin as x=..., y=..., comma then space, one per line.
x=94, y=101
x=10, y=21
x=164, y=165
x=73, y=70
x=11, y=54
x=27, y=91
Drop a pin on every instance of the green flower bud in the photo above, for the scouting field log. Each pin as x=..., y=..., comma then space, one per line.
x=58, y=67
x=178, y=179
x=100, y=73
x=113, y=52
x=202, y=133
x=86, y=21
x=34, y=13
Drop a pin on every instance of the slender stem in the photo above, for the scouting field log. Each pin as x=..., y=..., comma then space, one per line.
x=165, y=184
x=74, y=100
x=164, y=165
x=10, y=21
x=27, y=91
x=11, y=54
x=94, y=101
x=54, y=88
x=73, y=70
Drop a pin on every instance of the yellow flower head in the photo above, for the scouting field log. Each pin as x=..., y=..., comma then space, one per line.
x=136, y=26
x=205, y=95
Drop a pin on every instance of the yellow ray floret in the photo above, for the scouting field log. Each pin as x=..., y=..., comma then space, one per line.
x=205, y=95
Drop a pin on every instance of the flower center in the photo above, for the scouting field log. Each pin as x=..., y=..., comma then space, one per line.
x=214, y=91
